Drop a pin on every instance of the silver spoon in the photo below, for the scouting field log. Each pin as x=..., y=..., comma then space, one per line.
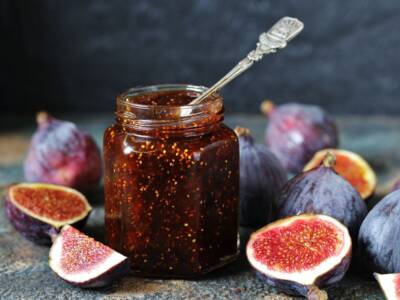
x=269, y=42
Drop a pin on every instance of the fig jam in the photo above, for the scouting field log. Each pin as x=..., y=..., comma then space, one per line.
x=171, y=182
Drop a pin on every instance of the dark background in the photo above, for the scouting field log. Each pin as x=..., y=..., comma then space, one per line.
x=77, y=55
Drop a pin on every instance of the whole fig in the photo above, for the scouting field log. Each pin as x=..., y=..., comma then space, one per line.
x=261, y=178
x=379, y=238
x=60, y=153
x=322, y=191
x=296, y=131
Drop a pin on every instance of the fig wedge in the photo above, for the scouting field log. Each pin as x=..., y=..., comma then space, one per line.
x=81, y=261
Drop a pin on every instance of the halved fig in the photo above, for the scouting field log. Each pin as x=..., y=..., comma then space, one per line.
x=351, y=167
x=39, y=210
x=84, y=262
x=390, y=285
x=300, y=254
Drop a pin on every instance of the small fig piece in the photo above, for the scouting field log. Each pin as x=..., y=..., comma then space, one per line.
x=60, y=153
x=84, y=262
x=261, y=178
x=351, y=167
x=296, y=131
x=390, y=285
x=323, y=191
x=300, y=254
x=39, y=210
x=379, y=238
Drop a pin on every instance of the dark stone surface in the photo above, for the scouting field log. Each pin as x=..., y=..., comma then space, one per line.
x=77, y=55
x=24, y=270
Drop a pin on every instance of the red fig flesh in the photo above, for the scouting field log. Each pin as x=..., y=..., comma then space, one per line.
x=62, y=154
x=39, y=210
x=300, y=254
x=82, y=261
x=390, y=285
x=296, y=131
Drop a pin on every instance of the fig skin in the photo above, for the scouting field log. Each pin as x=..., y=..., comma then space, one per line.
x=322, y=191
x=296, y=131
x=379, y=237
x=261, y=178
x=60, y=153
x=35, y=230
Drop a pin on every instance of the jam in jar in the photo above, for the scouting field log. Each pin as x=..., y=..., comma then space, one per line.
x=171, y=182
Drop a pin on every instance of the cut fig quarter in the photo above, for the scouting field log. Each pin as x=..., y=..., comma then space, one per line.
x=352, y=167
x=39, y=210
x=300, y=254
x=390, y=285
x=81, y=261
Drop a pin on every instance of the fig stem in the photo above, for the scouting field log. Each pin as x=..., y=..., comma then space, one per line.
x=329, y=160
x=241, y=131
x=314, y=293
x=42, y=117
x=267, y=107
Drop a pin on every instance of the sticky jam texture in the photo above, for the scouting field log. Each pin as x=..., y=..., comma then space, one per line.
x=171, y=199
x=54, y=204
x=81, y=253
x=300, y=246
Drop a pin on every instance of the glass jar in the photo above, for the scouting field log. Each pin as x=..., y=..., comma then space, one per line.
x=171, y=182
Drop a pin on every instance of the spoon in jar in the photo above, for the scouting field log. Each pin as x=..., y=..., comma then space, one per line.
x=269, y=42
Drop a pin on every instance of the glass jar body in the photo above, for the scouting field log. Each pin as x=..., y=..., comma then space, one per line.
x=171, y=198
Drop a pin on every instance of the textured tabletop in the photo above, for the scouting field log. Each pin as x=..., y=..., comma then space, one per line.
x=25, y=274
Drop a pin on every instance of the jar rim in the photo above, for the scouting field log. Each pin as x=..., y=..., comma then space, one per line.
x=142, y=90
x=167, y=117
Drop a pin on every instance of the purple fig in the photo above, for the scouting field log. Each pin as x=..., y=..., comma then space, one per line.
x=261, y=178
x=379, y=237
x=322, y=191
x=84, y=262
x=60, y=153
x=38, y=211
x=352, y=167
x=300, y=254
x=296, y=131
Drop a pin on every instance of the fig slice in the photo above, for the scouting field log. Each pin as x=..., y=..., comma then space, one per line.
x=300, y=254
x=390, y=285
x=82, y=261
x=351, y=167
x=39, y=210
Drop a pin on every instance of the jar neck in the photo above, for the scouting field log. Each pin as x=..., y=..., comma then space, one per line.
x=150, y=119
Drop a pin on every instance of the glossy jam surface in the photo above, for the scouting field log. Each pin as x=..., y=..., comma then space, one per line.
x=171, y=199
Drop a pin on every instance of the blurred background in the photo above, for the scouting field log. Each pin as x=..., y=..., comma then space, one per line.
x=75, y=56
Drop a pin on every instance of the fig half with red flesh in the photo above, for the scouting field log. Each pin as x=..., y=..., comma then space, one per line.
x=300, y=254
x=390, y=285
x=351, y=167
x=84, y=262
x=38, y=210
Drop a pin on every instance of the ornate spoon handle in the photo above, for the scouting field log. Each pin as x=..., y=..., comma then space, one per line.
x=269, y=42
